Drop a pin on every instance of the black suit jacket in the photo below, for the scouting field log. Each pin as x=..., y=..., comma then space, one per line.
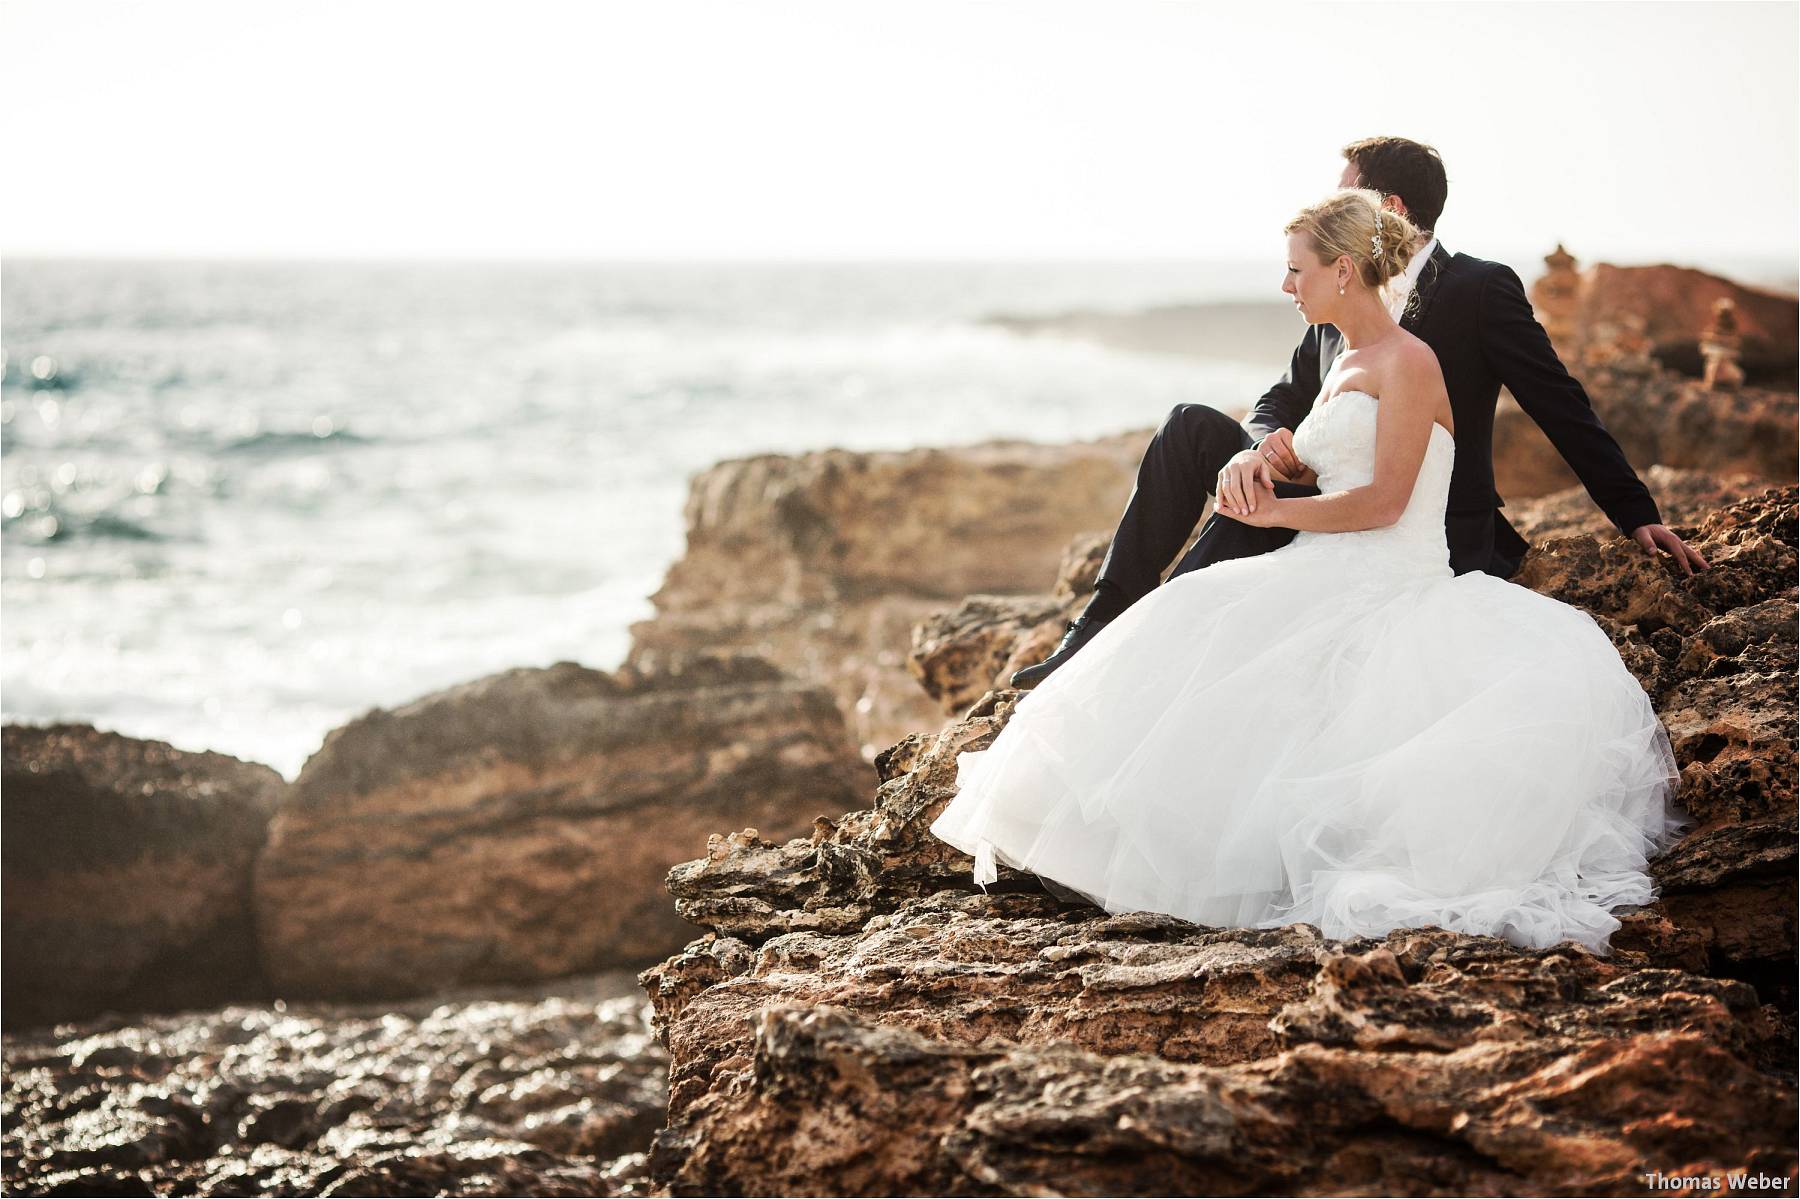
x=1475, y=316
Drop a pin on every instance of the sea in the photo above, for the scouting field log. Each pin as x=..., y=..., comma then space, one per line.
x=245, y=501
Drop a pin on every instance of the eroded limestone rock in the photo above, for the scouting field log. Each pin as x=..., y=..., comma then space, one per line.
x=1425, y=1062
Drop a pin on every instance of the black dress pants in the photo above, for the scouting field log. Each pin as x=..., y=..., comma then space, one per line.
x=1174, y=480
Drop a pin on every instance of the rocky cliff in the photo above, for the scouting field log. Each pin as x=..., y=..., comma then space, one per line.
x=860, y=1019
x=823, y=562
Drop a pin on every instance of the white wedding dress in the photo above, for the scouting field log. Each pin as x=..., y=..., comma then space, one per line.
x=1341, y=732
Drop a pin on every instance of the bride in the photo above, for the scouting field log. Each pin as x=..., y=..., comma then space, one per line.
x=1412, y=747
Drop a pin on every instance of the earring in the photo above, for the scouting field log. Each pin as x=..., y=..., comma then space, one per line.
x=1340, y=289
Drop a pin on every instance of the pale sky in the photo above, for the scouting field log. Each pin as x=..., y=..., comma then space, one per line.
x=753, y=129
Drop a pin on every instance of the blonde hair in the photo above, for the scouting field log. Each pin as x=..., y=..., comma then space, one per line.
x=1351, y=221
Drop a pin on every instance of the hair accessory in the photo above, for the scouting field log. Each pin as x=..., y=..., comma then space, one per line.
x=1375, y=238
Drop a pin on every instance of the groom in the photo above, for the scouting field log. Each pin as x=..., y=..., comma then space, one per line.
x=1475, y=317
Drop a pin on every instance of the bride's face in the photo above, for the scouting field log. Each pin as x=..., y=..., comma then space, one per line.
x=1312, y=283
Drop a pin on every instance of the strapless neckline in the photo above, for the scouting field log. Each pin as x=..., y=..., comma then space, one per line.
x=1435, y=426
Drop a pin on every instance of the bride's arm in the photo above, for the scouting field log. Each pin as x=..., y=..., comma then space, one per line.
x=1410, y=400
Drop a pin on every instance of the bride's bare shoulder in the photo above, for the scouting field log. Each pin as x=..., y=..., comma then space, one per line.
x=1410, y=347
x=1415, y=362
x=1410, y=375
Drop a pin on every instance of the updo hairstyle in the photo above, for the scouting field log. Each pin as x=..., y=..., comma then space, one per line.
x=1352, y=221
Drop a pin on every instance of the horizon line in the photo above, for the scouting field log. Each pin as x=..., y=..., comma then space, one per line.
x=1791, y=255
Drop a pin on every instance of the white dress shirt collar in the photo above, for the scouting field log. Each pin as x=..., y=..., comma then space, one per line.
x=1402, y=287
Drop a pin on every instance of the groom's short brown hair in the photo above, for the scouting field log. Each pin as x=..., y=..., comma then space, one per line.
x=1395, y=166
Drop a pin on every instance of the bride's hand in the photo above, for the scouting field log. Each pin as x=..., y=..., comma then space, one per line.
x=1264, y=511
x=1235, y=490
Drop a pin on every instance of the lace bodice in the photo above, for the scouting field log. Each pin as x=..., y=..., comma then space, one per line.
x=1337, y=439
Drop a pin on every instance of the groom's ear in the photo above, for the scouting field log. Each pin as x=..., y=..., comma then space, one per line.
x=1395, y=204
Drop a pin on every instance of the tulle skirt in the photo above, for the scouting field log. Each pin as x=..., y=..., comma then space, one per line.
x=1280, y=739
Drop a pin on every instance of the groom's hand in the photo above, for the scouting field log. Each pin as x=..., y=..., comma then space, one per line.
x=1658, y=537
x=1277, y=449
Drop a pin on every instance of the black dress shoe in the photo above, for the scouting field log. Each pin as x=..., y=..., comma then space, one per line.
x=1081, y=631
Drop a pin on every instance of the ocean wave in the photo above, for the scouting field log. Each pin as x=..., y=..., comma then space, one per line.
x=39, y=372
x=43, y=527
x=278, y=441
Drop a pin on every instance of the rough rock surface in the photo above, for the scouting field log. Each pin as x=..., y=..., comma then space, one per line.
x=823, y=562
x=520, y=826
x=1444, y=1087
x=862, y=1020
x=1686, y=497
x=127, y=868
x=549, y=1092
